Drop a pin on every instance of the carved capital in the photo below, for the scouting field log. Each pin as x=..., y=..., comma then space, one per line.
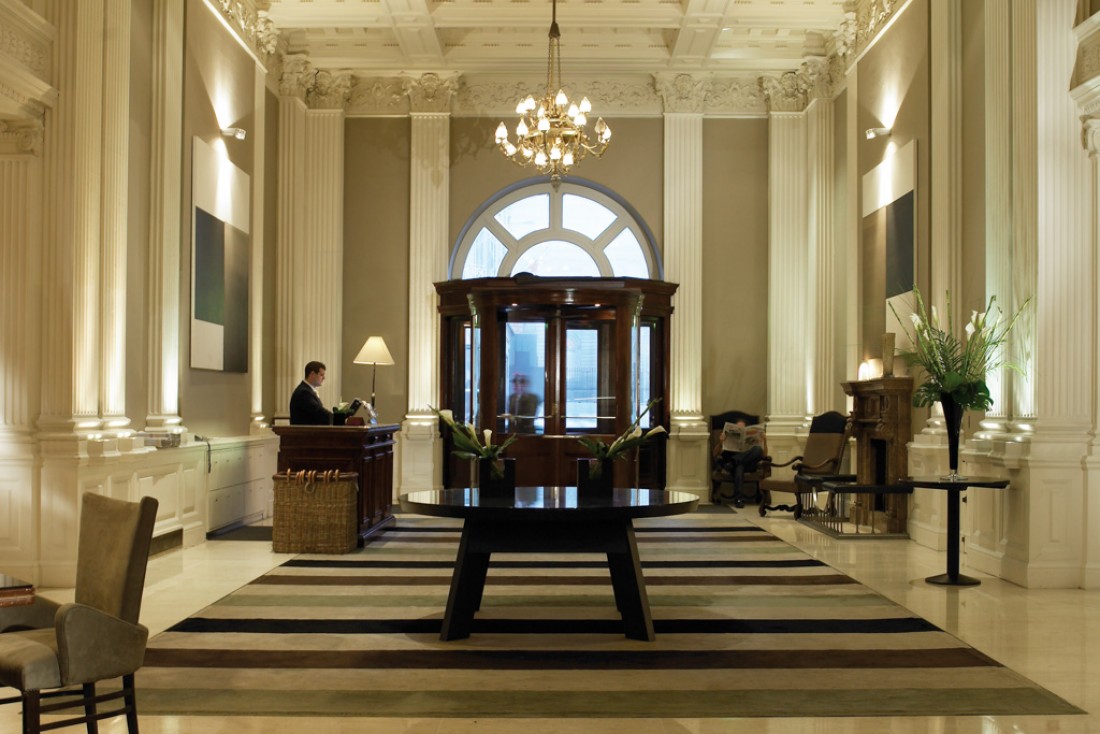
x=1090, y=137
x=682, y=92
x=786, y=93
x=430, y=92
x=297, y=77
x=329, y=91
x=257, y=30
x=23, y=137
x=817, y=77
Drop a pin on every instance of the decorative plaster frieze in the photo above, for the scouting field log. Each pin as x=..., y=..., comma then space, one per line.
x=735, y=96
x=496, y=95
x=430, y=92
x=378, y=96
x=681, y=92
x=25, y=51
x=297, y=76
x=786, y=93
x=257, y=30
x=329, y=91
x=23, y=137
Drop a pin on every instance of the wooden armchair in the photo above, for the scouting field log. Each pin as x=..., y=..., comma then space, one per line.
x=824, y=453
x=720, y=471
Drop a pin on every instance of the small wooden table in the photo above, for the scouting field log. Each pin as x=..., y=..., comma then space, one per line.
x=954, y=488
x=15, y=592
x=548, y=520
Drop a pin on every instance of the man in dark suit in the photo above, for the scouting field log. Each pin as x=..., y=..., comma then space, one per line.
x=306, y=408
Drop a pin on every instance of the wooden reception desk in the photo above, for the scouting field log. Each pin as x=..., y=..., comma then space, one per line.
x=366, y=450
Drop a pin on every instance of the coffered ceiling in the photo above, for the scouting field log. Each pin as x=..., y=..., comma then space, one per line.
x=597, y=36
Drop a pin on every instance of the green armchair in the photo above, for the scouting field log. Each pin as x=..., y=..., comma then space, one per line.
x=47, y=649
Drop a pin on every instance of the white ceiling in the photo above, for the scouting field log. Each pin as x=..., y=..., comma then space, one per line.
x=391, y=36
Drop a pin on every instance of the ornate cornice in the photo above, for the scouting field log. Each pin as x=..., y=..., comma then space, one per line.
x=785, y=93
x=26, y=47
x=378, y=96
x=25, y=50
x=682, y=92
x=430, y=92
x=329, y=91
x=256, y=29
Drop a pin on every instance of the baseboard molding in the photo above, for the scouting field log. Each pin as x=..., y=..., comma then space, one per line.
x=169, y=541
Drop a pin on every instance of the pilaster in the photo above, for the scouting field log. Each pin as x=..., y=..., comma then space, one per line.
x=163, y=373
x=824, y=286
x=429, y=198
x=788, y=270
x=256, y=276
x=688, y=459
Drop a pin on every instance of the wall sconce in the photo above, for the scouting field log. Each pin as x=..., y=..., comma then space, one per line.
x=234, y=132
x=374, y=352
x=877, y=132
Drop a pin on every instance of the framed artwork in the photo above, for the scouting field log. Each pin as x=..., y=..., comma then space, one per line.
x=220, y=262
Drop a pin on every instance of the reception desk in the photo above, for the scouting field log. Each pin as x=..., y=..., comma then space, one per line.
x=366, y=450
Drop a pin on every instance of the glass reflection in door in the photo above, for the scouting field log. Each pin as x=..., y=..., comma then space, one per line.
x=523, y=389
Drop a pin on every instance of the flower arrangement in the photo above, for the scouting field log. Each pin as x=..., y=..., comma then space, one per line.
x=469, y=446
x=957, y=366
x=630, y=438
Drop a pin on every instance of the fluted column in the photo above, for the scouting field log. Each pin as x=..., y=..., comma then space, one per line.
x=429, y=198
x=290, y=324
x=164, y=218
x=683, y=98
x=318, y=297
x=116, y=141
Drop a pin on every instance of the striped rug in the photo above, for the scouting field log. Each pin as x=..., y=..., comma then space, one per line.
x=746, y=626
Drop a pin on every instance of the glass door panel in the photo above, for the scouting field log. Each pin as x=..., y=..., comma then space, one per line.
x=523, y=391
x=589, y=377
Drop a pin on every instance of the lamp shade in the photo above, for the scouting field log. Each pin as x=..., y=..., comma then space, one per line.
x=374, y=351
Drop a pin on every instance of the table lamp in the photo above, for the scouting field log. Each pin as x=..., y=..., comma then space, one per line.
x=374, y=352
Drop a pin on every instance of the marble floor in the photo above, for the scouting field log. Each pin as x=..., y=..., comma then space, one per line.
x=1052, y=637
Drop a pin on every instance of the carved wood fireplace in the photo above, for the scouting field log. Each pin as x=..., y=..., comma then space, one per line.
x=882, y=427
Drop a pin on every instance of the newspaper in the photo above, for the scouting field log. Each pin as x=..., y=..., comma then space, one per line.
x=741, y=438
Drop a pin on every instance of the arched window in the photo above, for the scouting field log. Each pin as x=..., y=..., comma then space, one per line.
x=576, y=229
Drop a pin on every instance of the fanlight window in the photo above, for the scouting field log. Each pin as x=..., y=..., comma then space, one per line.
x=574, y=230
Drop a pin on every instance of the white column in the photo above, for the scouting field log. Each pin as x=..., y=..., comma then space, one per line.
x=688, y=460
x=319, y=279
x=788, y=277
x=256, y=276
x=116, y=142
x=821, y=364
x=163, y=372
x=290, y=324
x=849, y=245
x=429, y=193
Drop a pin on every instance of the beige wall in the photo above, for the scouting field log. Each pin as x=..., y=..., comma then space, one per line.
x=215, y=68
x=376, y=257
x=893, y=89
x=973, y=157
x=735, y=265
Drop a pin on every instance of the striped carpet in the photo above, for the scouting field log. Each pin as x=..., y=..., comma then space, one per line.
x=746, y=626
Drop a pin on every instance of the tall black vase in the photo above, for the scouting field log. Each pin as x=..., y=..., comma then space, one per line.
x=595, y=475
x=501, y=478
x=952, y=420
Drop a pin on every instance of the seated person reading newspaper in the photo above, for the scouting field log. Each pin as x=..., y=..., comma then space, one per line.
x=741, y=450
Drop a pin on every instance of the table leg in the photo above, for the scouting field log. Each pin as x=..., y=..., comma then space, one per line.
x=953, y=577
x=467, y=585
x=629, y=585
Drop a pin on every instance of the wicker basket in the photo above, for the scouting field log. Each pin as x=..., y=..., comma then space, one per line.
x=315, y=512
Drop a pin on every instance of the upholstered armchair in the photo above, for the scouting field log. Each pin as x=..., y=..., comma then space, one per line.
x=823, y=456
x=48, y=649
x=721, y=472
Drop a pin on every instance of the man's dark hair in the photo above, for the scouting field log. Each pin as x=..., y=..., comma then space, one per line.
x=312, y=367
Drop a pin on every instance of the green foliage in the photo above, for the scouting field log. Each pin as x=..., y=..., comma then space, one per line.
x=630, y=438
x=957, y=365
x=468, y=445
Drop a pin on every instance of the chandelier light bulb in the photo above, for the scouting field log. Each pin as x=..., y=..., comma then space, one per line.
x=520, y=107
x=586, y=106
x=574, y=110
x=502, y=133
x=555, y=153
x=567, y=159
x=529, y=103
x=540, y=159
x=544, y=124
x=521, y=129
x=580, y=120
x=509, y=149
x=561, y=100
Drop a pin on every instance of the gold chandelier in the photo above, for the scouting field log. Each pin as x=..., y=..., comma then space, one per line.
x=550, y=134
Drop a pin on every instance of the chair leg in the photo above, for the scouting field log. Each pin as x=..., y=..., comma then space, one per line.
x=89, y=707
x=129, y=697
x=31, y=712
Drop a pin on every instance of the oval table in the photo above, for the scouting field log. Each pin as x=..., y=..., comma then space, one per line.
x=954, y=487
x=547, y=520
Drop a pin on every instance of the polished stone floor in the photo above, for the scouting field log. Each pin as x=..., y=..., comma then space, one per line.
x=1052, y=637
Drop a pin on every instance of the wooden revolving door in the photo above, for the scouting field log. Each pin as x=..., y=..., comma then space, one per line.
x=551, y=359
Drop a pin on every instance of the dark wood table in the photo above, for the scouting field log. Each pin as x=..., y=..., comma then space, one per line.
x=15, y=592
x=954, y=488
x=548, y=520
